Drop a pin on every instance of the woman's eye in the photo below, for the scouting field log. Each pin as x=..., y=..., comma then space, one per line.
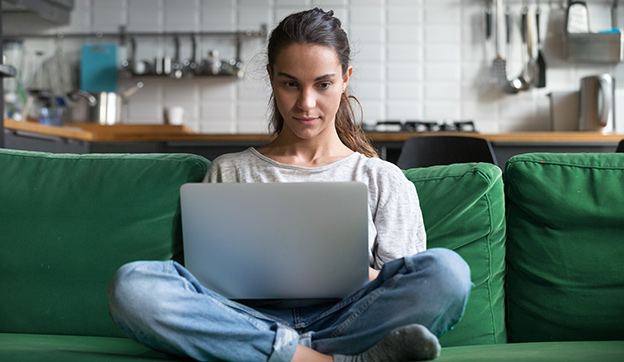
x=324, y=85
x=290, y=84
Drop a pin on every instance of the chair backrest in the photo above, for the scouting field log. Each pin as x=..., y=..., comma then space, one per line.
x=620, y=147
x=428, y=151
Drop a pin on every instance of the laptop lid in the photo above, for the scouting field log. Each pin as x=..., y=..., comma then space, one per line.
x=276, y=240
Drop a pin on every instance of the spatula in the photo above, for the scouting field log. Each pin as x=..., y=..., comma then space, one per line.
x=540, y=80
x=499, y=65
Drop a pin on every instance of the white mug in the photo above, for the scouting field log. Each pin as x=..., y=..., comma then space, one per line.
x=174, y=115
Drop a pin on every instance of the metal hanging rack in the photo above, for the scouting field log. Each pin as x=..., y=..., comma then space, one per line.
x=123, y=34
x=125, y=37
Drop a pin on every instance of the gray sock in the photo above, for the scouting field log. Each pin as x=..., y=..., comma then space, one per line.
x=413, y=342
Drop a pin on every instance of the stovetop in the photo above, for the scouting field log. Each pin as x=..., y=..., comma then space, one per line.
x=421, y=126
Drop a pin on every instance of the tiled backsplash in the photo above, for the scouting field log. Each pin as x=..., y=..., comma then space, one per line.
x=413, y=59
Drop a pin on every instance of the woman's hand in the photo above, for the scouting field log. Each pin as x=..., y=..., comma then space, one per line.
x=372, y=274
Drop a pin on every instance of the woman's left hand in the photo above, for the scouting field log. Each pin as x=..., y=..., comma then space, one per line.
x=372, y=274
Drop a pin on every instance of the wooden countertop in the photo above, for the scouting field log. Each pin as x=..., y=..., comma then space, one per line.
x=125, y=132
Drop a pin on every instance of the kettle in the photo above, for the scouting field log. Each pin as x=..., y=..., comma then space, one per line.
x=597, y=105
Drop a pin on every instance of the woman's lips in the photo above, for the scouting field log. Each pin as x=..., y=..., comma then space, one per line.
x=306, y=120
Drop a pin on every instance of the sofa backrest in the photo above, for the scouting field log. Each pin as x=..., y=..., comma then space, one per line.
x=565, y=247
x=69, y=221
x=463, y=210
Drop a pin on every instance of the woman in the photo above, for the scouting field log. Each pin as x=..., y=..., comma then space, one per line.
x=413, y=295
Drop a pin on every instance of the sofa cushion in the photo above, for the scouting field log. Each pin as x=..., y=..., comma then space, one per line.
x=603, y=351
x=57, y=348
x=565, y=247
x=463, y=210
x=69, y=221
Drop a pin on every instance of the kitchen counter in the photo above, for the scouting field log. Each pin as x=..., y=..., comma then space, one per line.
x=126, y=132
x=95, y=138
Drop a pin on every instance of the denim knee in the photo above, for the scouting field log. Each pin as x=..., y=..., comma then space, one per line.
x=131, y=293
x=449, y=273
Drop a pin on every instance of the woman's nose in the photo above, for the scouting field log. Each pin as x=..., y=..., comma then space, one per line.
x=306, y=99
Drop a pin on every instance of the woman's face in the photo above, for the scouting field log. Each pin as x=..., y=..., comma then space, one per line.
x=307, y=83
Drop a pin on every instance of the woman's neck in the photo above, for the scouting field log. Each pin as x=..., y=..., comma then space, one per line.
x=305, y=152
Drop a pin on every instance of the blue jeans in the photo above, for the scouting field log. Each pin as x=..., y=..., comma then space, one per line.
x=161, y=305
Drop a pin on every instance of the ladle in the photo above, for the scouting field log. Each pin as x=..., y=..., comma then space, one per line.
x=523, y=81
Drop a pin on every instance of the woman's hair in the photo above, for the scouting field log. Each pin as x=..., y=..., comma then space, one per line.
x=318, y=27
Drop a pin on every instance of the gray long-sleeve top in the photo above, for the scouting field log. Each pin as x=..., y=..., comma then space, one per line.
x=395, y=223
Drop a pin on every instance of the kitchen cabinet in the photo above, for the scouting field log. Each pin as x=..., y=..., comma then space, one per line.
x=31, y=141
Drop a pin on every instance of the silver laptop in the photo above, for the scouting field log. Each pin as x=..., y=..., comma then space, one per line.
x=277, y=240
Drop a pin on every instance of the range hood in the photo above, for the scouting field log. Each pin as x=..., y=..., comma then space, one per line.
x=55, y=11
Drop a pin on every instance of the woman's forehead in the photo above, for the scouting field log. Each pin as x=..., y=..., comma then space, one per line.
x=311, y=60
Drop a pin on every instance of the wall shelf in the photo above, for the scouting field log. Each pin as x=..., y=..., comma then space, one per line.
x=125, y=38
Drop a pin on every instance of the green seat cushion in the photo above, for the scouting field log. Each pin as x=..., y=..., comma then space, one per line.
x=463, y=210
x=57, y=348
x=600, y=351
x=565, y=247
x=70, y=221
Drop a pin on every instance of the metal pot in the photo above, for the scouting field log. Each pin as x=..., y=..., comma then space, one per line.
x=103, y=108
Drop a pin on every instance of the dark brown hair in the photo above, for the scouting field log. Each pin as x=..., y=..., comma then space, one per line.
x=318, y=27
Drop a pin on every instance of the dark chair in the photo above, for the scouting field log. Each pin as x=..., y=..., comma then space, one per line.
x=444, y=150
x=620, y=147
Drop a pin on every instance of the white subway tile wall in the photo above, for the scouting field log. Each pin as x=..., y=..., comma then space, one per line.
x=413, y=59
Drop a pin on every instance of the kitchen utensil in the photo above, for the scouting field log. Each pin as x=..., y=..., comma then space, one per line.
x=92, y=102
x=540, y=80
x=132, y=66
x=128, y=64
x=81, y=104
x=98, y=68
x=499, y=65
x=597, y=106
x=484, y=77
x=213, y=63
x=106, y=110
x=507, y=86
x=61, y=70
x=523, y=81
x=577, y=18
x=190, y=64
x=488, y=28
x=142, y=67
x=162, y=65
x=176, y=64
x=488, y=22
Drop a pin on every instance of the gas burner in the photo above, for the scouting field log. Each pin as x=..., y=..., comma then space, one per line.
x=422, y=126
x=389, y=126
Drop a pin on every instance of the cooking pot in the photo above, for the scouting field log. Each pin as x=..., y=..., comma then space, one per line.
x=103, y=107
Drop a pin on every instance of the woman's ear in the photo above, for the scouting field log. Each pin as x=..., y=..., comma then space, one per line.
x=269, y=71
x=346, y=77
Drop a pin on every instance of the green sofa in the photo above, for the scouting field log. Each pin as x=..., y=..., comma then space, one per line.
x=545, y=249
